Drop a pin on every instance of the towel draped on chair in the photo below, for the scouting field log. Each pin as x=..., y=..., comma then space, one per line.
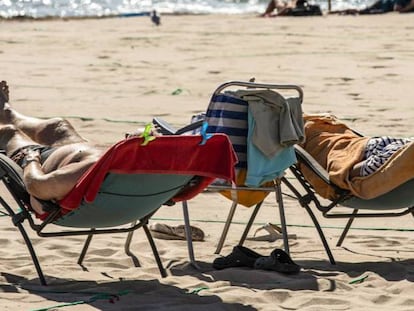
x=339, y=153
x=165, y=155
x=263, y=126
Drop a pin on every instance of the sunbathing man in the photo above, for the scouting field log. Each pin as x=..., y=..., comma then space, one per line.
x=52, y=154
x=291, y=7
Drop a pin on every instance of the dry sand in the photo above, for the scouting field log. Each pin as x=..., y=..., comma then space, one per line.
x=109, y=76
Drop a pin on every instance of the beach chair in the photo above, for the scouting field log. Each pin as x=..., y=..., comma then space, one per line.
x=395, y=203
x=122, y=190
x=228, y=113
x=223, y=110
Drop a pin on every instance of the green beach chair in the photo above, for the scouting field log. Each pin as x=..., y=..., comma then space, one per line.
x=395, y=203
x=122, y=190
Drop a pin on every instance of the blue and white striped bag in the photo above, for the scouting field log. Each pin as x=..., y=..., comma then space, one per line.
x=228, y=114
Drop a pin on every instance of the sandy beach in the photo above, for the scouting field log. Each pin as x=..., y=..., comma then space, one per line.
x=110, y=76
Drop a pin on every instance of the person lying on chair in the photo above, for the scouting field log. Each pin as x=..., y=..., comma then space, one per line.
x=291, y=8
x=351, y=159
x=52, y=154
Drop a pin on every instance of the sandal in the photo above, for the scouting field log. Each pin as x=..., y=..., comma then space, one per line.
x=274, y=233
x=278, y=261
x=166, y=232
x=240, y=257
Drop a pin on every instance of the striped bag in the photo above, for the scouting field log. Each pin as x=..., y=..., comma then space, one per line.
x=228, y=114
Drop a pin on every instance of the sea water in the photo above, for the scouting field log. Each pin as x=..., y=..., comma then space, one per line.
x=101, y=8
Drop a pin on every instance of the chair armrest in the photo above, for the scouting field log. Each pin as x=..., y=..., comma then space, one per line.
x=305, y=158
x=190, y=127
x=166, y=129
x=163, y=127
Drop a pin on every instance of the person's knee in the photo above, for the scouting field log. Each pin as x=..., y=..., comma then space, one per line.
x=57, y=122
x=53, y=130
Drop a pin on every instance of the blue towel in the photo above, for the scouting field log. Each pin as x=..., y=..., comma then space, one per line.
x=261, y=168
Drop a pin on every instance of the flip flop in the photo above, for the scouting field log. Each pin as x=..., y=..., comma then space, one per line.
x=278, y=261
x=240, y=257
x=274, y=233
x=166, y=232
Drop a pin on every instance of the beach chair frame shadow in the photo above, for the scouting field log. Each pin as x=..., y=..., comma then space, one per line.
x=387, y=205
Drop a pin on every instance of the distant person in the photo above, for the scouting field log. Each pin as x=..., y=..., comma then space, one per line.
x=291, y=8
x=280, y=6
x=381, y=7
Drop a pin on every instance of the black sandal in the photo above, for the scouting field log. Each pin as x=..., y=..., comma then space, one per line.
x=278, y=261
x=240, y=257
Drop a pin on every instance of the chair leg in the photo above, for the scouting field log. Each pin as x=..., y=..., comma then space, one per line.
x=85, y=248
x=250, y=223
x=32, y=254
x=314, y=220
x=155, y=251
x=127, y=247
x=188, y=235
x=26, y=239
x=279, y=200
x=226, y=227
x=347, y=227
x=321, y=235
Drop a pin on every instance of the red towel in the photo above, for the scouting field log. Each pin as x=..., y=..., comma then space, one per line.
x=164, y=155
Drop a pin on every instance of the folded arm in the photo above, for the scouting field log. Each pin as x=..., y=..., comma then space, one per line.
x=54, y=185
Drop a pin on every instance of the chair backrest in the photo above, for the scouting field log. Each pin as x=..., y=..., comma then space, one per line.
x=229, y=112
x=262, y=125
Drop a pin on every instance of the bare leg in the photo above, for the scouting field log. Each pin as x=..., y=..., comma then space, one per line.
x=281, y=7
x=51, y=132
x=270, y=8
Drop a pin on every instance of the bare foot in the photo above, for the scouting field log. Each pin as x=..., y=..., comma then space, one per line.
x=4, y=94
x=5, y=111
x=140, y=131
